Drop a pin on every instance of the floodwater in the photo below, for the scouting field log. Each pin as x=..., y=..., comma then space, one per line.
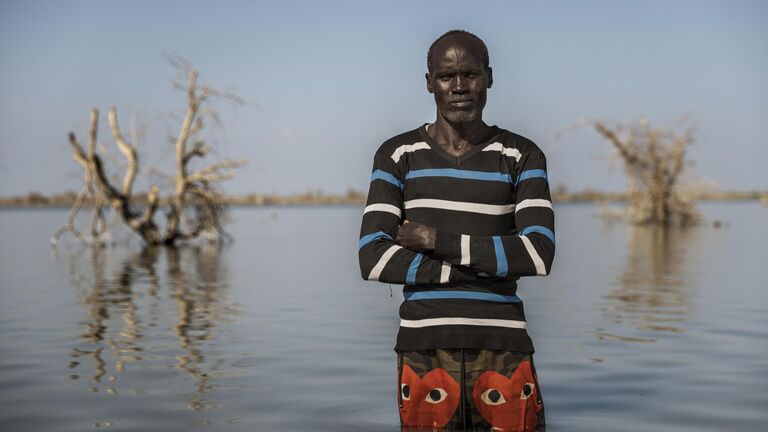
x=635, y=329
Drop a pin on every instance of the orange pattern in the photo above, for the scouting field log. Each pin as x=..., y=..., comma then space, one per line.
x=508, y=404
x=430, y=401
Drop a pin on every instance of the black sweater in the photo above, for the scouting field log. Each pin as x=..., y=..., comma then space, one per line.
x=494, y=219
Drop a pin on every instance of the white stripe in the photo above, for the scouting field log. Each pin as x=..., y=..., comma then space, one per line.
x=533, y=203
x=506, y=151
x=429, y=322
x=377, y=269
x=464, y=250
x=389, y=208
x=445, y=272
x=408, y=148
x=541, y=270
x=461, y=206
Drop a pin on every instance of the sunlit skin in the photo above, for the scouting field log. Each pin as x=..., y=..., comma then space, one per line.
x=459, y=82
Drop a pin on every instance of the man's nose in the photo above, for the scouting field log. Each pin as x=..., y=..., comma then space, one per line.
x=459, y=84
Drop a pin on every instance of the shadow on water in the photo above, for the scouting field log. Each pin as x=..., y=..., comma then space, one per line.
x=159, y=314
x=652, y=293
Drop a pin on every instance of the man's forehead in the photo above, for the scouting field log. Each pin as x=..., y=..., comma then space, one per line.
x=446, y=48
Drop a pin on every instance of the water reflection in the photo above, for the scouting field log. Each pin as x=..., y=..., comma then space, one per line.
x=162, y=315
x=653, y=291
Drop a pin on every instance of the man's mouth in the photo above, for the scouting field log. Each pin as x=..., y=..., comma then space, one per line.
x=462, y=103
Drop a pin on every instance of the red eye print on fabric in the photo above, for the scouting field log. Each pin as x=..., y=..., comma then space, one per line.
x=508, y=404
x=429, y=401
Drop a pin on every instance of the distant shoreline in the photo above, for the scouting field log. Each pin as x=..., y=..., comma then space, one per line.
x=67, y=199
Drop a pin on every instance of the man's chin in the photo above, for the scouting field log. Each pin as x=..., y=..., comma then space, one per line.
x=461, y=116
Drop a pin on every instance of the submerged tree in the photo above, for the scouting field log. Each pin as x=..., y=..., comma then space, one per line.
x=195, y=206
x=654, y=160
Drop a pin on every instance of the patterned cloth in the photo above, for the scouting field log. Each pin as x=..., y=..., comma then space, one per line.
x=494, y=223
x=477, y=390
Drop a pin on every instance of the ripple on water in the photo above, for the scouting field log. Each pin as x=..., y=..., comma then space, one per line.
x=646, y=332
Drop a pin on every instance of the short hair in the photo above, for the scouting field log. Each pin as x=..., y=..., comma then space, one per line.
x=483, y=48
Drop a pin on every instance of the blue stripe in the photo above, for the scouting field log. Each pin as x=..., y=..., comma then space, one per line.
x=364, y=240
x=410, y=278
x=536, y=173
x=468, y=295
x=501, y=257
x=462, y=174
x=387, y=177
x=539, y=229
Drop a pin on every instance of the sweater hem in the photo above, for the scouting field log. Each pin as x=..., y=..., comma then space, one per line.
x=420, y=340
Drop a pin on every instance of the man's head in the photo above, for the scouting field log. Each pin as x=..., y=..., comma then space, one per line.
x=459, y=75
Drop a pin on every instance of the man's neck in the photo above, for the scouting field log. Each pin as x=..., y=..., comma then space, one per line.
x=458, y=138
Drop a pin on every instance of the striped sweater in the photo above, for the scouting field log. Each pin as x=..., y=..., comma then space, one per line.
x=494, y=219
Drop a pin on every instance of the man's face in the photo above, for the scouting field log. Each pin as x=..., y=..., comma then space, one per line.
x=458, y=79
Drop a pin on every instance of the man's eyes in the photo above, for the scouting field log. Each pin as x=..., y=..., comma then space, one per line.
x=470, y=75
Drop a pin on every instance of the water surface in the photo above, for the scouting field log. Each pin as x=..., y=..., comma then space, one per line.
x=635, y=329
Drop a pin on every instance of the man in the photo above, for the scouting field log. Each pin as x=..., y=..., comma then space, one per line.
x=457, y=211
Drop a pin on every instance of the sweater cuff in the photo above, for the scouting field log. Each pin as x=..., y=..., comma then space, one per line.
x=448, y=246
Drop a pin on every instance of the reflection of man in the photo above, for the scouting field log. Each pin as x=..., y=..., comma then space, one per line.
x=457, y=211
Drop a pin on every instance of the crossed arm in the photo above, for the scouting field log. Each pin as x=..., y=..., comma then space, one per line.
x=397, y=251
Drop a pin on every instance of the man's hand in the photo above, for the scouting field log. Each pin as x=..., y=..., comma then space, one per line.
x=416, y=236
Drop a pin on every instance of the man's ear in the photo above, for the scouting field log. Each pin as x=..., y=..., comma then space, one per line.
x=490, y=77
x=429, y=83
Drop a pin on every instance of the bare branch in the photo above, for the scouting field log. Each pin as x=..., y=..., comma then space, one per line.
x=70, y=226
x=231, y=97
x=78, y=154
x=213, y=172
x=197, y=127
x=152, y=201
x=199, y=149
x=128, y=150
x=93, y=132
x=626, y=151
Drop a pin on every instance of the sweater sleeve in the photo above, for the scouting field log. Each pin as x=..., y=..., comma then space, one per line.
x=531, y=250
x=381, y=259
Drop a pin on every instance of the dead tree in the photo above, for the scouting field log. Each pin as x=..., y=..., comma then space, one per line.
x=195, y=205
x=654, y=159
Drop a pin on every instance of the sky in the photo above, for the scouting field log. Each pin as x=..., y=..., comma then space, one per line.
x=327, y=82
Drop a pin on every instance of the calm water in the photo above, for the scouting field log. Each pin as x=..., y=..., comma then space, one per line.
x=635, y=330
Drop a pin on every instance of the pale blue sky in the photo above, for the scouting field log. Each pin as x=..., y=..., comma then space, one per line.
x=329, y=81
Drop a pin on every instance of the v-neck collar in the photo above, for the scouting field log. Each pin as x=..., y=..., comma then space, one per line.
x=457, y=160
